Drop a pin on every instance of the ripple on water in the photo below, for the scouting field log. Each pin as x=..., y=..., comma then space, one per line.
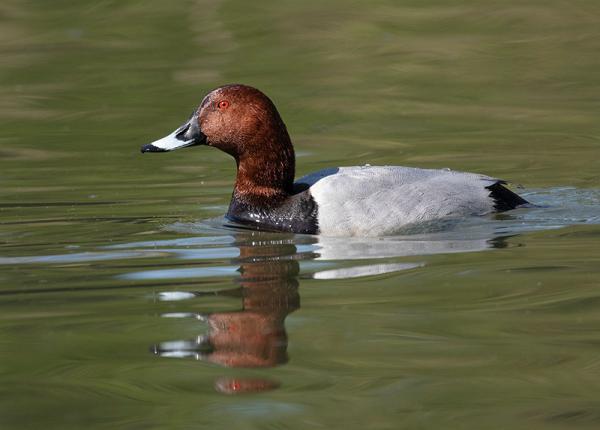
x=559, y=207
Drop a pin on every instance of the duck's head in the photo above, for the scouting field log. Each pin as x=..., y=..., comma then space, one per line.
x=243, y=122
x=230, y=118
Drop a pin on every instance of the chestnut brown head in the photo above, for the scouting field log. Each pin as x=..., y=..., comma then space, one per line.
x=241, y=121
x=244, y=123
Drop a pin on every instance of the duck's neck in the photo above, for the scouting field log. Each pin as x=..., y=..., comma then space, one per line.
x=266, y=176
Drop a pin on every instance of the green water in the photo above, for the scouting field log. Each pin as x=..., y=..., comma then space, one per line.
x=122, y=307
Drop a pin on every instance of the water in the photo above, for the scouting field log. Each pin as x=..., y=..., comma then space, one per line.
x=126, y=304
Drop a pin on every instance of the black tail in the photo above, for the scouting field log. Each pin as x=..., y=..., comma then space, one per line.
x=505, y=199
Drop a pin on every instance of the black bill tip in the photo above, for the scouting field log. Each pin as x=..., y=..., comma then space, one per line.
x=151, y=148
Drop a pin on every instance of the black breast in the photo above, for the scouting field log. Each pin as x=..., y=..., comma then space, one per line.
x=295, y=214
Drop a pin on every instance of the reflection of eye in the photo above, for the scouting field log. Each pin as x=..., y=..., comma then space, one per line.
x=223, y=104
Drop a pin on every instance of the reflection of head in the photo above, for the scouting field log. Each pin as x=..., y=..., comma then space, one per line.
x=255, y=336
x=244, y=385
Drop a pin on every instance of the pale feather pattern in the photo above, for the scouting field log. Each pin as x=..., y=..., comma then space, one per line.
x=382, y=200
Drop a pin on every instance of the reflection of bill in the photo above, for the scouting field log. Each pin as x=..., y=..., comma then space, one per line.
x=254, y=336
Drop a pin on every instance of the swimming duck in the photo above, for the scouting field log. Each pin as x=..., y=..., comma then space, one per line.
x=341, y=201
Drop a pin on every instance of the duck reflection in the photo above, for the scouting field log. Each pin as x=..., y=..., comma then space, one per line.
x=253, y=336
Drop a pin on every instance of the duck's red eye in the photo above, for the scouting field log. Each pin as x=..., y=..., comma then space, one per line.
x=223, y=104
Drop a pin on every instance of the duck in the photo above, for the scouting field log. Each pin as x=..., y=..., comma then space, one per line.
x=338, y=201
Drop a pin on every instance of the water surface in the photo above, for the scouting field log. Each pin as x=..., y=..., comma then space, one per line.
x=126, y=304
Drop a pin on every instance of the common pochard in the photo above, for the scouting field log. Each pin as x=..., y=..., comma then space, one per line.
x=340, y=201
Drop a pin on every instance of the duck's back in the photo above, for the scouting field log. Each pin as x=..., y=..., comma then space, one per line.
x=380, y=200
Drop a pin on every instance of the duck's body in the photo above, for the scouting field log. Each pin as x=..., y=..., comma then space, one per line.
x=345, y=201
x=376, y=201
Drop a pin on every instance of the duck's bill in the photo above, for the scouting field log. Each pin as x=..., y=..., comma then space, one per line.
x=188, y=134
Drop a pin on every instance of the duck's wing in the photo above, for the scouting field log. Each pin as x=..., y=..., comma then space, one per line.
x=379, y=200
